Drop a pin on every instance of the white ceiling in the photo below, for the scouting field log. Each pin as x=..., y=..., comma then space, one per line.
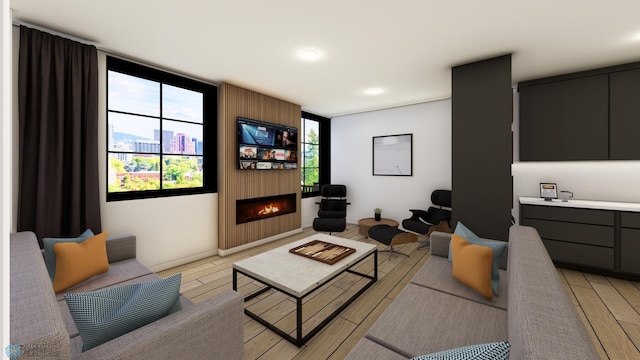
x=405, y=47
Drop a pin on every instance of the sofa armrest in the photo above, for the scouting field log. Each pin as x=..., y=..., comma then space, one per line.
x=121, y=247
x=440, y=243
x=211, y=329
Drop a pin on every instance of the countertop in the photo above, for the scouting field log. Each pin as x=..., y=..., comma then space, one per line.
x=584, y=204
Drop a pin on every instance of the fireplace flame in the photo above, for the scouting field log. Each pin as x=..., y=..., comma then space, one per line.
x=269, y=209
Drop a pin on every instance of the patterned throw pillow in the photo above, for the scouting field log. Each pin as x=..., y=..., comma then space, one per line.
x=498, y=247
x=50, y=256
x=106, y=314
x=491, y=351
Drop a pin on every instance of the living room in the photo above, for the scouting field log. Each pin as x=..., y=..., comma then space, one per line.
x=162, y=245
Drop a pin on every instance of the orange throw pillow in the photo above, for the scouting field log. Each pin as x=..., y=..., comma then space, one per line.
x=472, y=265
x=77, y=262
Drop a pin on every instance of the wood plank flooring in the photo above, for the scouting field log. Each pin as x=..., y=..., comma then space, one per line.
x=609, y=307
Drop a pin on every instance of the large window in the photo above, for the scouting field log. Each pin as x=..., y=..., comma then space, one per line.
x=161, y=131
x=315, y=153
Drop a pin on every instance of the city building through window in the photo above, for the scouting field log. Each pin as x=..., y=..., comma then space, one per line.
x=161, y=133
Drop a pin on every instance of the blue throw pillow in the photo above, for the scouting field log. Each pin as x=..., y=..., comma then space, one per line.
x=106, y=314
x=498, y=248
x=50, y=256
x=494, y=351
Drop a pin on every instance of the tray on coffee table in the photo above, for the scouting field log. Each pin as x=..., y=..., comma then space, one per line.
x=323, y=251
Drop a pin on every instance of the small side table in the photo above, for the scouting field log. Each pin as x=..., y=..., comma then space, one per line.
x=366, y=223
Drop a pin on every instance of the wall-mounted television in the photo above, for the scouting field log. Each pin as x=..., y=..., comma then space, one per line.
x=266, y=146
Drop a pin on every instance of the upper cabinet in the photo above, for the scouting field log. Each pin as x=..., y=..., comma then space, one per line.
x=625, y=115
x=565, y=120
x=590, y=115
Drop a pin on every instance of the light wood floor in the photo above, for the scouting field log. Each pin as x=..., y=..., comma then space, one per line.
x=609, y=307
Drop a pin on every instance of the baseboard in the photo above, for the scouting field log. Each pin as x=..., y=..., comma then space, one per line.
x=182, y=261
x=233, y=250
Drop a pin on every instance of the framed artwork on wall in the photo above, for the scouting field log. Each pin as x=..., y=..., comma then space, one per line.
x=393, y=155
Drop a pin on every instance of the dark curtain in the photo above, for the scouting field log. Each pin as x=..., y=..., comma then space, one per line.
x=58, y=110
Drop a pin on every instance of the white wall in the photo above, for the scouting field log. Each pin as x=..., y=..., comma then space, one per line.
x=170, y=231
x=309, y=211
x=5, y=164
x=351, y=158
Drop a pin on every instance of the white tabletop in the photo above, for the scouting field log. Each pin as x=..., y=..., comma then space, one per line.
x=296, y=274
x=585, y=204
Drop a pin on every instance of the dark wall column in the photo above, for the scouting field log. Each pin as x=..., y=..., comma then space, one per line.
x=482, y=112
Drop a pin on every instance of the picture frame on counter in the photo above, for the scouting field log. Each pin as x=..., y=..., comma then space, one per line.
x=548, y=191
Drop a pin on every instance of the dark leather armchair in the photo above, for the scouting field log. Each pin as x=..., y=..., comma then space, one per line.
x=332, y=214
x=436, y=217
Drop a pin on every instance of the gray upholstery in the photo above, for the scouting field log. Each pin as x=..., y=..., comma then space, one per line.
x=36, y=323
x=434, y=312
x=543, y=322
x=422, y=320
x=436, y=274
x=41, y=323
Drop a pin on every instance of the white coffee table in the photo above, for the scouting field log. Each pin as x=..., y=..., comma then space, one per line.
x=298, y=277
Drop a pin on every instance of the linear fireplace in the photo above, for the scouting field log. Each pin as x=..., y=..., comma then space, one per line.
x=248, y=210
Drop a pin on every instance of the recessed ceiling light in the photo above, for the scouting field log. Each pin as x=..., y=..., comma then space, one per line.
x=310, y=54
x=373, y=91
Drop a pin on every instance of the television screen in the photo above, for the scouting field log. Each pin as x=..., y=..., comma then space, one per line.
x=266, y=146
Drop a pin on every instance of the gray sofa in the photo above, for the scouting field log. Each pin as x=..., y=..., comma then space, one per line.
x=43, y=328
x=434, y=312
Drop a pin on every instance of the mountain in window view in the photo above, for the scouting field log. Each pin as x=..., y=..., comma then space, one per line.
x=125, y=138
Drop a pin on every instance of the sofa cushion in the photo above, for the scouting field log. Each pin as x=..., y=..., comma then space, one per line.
x=472, y=265
x=498, y=247
x=493, y=351
x=77, y=262
x=436, y=274
x=410, y=325
x=105, y=314
x=369, y=350
x=50, y=256
x=119, y=273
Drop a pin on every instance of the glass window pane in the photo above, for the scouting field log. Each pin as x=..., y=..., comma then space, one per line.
x=181, y=104
x=133, y=94
x=311, y=132
x=311, y=176
x=311, y=156
x=182, y=172
x=181, y=138
x=128, y=132
x=133, y=172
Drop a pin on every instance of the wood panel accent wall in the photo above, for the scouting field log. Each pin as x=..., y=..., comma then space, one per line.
x=234, y=184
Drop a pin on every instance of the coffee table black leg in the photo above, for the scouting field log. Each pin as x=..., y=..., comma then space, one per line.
x=299, y=341
x=235, y=280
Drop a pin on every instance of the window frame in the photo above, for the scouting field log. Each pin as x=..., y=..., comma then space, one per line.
x=209, y=131
x=324, y=153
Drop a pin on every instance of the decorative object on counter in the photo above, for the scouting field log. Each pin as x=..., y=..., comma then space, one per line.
x=376, y=213
x=566, y=195
x=548, y=191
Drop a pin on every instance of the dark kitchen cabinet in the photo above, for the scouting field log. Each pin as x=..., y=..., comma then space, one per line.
x=625, y=115
x=565, y=120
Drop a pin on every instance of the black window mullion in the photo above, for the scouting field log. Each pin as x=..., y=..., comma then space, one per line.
x=207, y=174
x=161, y=138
